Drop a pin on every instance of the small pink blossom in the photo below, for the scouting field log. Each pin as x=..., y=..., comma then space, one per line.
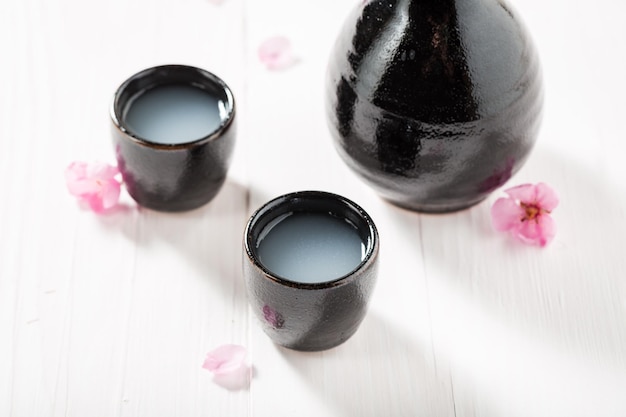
x=276, y=53
x=225, y=359
x=95, y=184
x=525, y=213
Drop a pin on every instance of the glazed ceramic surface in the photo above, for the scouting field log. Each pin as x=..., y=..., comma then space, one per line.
x=310, y=316
x=434, y=103
x=177, y=176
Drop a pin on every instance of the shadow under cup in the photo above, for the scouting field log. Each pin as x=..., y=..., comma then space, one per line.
x=174, y=134
x=310, y=265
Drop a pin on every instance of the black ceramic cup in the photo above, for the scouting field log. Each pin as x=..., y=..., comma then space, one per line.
x=310, y=300
x=173, y=167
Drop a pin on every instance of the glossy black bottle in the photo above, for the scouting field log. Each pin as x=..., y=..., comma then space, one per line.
x=434, y=103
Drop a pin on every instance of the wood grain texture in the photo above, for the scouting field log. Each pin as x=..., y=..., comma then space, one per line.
x=112, y=315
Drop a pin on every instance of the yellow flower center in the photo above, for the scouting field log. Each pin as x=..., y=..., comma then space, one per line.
x=532, y=211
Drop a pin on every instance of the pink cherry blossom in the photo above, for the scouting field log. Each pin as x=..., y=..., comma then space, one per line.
x=225, y=359
x=94, y=184
x=525, y=213
x=276, y=53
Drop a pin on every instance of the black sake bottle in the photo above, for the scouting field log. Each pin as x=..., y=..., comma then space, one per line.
x=434, y=103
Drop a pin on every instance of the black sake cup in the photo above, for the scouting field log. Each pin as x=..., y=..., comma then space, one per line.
x=310, y=316
x=177, y=176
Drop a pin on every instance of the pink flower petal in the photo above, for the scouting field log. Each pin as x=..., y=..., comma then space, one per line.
x=110, y=194
x=529, y=232
x=101, y=171
x=225, y=359
x=75, y=175
x=548, y=230
x=537, y=232
x=525, y=193
x=94, y=184
x=506, y=214
x=276, y=53
x=547, y=198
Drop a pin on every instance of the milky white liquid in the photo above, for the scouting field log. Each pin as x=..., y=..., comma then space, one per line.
x=310, y=247
x=174, y=114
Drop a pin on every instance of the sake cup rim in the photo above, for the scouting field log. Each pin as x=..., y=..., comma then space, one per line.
x=198, y=78
x=281, y=205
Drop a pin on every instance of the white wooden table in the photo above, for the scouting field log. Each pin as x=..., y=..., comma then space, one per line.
x=113, y=315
